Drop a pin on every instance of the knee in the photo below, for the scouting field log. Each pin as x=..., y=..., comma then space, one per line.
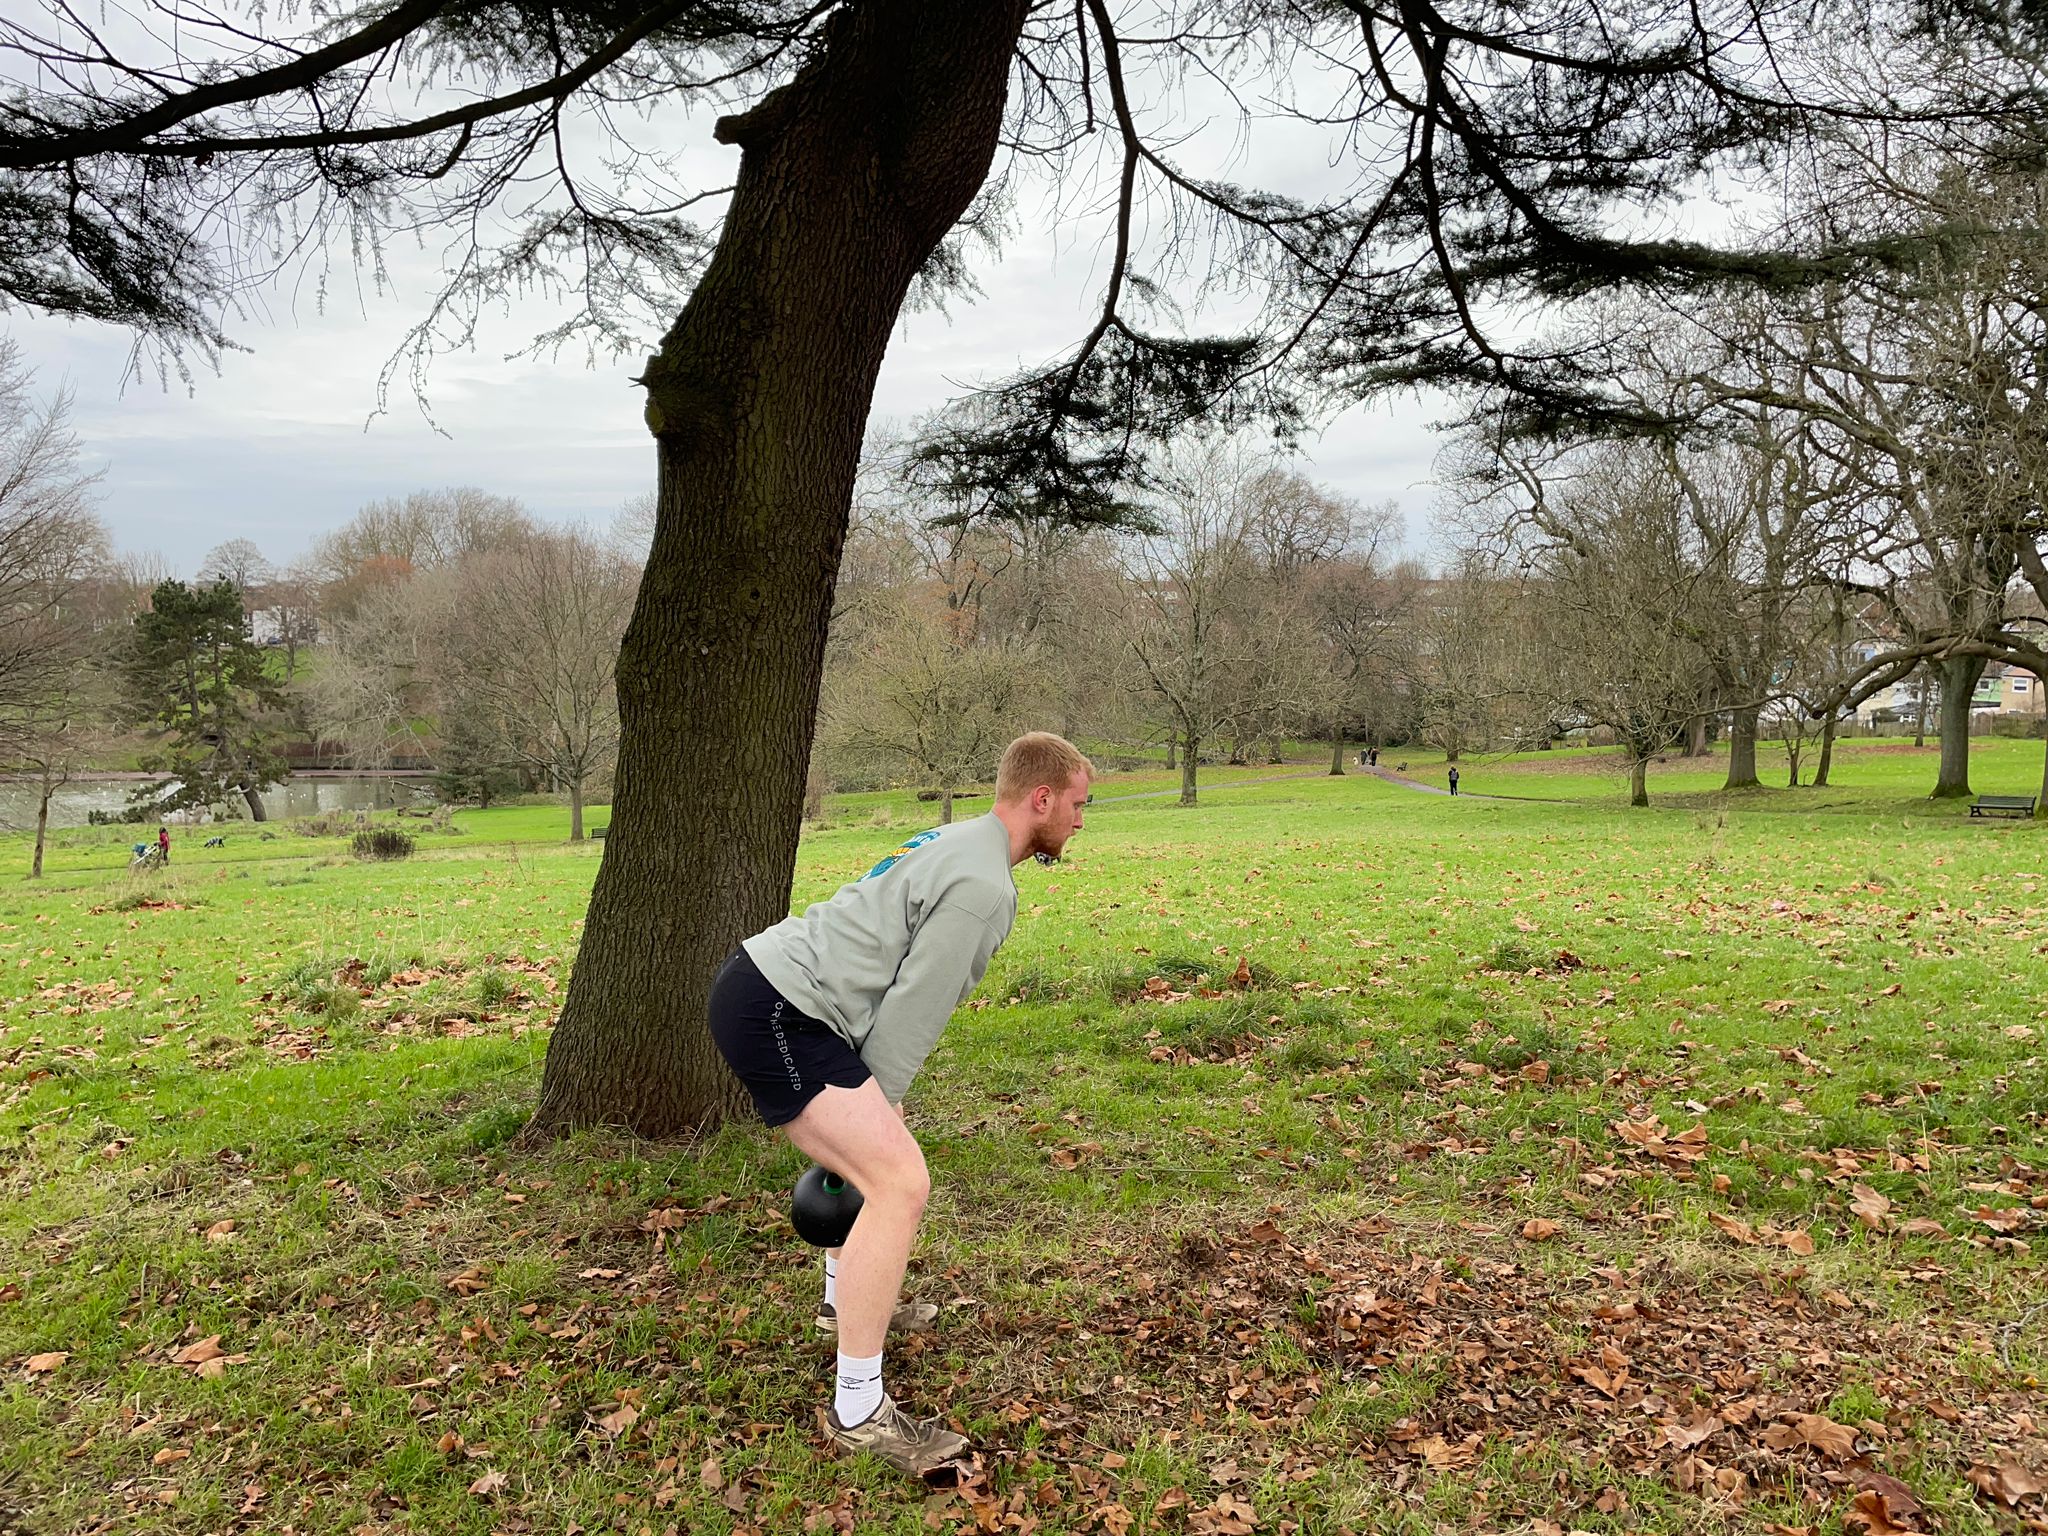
x=908, y=1186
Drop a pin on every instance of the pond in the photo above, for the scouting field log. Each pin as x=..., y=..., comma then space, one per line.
x=301, y=795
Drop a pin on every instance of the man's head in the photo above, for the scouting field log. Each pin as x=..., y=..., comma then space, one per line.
x=1042, y=785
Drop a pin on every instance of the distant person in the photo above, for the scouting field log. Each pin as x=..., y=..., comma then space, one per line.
x=1372, y=757
x=1454, y=778
x=163, y=846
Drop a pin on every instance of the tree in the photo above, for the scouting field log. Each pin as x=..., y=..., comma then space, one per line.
x=239, y=563
x=51, y=546
x=919, y=701
x=1217, y=644
x=1485, y=143
x=391, y=540
x=530, y=642
x=380, y=675
x=195, y=678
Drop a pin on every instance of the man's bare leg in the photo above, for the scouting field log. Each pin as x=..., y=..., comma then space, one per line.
x=860, y=1136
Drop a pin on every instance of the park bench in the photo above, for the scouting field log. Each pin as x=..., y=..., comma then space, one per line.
x=2002, y=805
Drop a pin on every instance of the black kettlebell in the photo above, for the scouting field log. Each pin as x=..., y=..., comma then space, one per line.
x=824, y=1208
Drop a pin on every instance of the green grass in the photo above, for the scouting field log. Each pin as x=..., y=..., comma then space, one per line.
x=1228, y=1248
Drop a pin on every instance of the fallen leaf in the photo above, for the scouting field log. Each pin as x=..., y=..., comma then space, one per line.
x=2008, y=1482
x=620, y=1419
x=1539, y=1230
x=220, y=1231
x=1870, y=1207
x=42, y=1365
x=206, y=1349
x=1812, y=1429
x=489, y=1483
x=1741, y=1231
x=1868, y=1512
x=169, y=1455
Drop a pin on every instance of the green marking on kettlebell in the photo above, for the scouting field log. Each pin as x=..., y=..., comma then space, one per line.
x=834, y=1185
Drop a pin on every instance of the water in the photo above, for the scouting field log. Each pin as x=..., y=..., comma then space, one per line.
x=294, y=797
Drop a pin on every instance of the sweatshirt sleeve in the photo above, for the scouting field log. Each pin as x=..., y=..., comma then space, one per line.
x=947, y=958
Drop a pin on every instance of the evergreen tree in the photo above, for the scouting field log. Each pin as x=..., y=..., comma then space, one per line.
x=197, y=680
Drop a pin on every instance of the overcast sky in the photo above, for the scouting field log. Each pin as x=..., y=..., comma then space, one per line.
x=278, y=445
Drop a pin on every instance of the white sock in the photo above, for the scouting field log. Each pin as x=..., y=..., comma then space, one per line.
x=859, y=1391
x=831, y=1280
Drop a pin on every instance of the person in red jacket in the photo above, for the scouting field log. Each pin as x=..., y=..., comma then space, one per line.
x=163, y=846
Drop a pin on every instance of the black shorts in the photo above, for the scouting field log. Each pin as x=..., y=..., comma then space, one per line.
x=785, y=1058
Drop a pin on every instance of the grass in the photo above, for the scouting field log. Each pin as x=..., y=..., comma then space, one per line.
x=1411, y=1232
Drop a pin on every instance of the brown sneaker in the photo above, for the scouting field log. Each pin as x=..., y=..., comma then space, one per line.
x=909, y=1317
x=909, y=1445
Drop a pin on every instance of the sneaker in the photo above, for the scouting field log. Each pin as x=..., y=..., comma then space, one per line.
x=909, y=1445
x=909, y=1317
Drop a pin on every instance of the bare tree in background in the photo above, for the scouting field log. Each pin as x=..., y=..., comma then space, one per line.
x=391, y=539
x=383, y=670
x=532, y=643
x=240, y=564
x=51, y=543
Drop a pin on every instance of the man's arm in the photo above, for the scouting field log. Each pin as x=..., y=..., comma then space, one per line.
x=946, y=959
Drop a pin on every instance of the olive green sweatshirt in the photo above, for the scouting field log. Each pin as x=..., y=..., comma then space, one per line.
x=887, y=959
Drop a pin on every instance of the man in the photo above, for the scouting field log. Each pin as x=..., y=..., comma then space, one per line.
x=827, y=1017
x=163, y=845
x=1454, y=778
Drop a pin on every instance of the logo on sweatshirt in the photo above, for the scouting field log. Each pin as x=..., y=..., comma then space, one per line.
x=916, y=842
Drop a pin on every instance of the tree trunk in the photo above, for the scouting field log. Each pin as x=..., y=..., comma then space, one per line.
x=1639, y=781
x=945, y=807
x=1959, y=676
x=2041, y=801
x=1336, y=757
x=576, y=809
x=35, y=868
x=1920, y=719
x=1792, y=746
x=849, y=177
x=1742, y=750
x=254, y=801
x=1827, y=754
x=1696, y=737
x=1172, y=743
x=1189, y=748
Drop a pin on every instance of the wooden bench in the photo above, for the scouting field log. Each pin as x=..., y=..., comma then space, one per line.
x=2002, y=805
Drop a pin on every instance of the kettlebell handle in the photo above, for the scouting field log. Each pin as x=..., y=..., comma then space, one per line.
x=834, y=1185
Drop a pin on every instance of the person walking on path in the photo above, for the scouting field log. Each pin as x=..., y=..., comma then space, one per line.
x=163, y=845
x=1454, y=778
x=1372, y=758
x=827, y=1017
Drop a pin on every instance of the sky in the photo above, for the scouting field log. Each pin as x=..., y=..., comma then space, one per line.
x=283, y=442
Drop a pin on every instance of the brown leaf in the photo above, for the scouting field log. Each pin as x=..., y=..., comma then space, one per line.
x=1267, y=1232
x=620, y=1419
x=2008, y=1482
x=1539, y=1230
x=169, y=1455
x=1868, y=1512
x=1741, y=1231
x=1438, y=1453
x=1685, y=1437
x=1791, y=1239
x=711, y=1474
x=42, y=1365
x=1870, y=1207
x=1812, y=1429
x=1900, y=1505
x=1241, y=978
x=206, y=1349
x=489, y=1483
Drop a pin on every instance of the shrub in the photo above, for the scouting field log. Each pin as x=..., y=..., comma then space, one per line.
x=383, y=843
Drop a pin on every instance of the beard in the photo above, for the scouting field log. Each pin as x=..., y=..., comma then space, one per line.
x=1044, y=848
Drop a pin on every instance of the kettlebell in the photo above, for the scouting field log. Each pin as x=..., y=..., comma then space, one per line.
x=824, y=1208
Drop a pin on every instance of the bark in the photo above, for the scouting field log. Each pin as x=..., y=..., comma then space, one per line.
x=2041, y=800
x=1920, y=718
x=849, y=177
x=255, y=803
x=945, y=807
x=1639, y=781
x=1742, y=750
x=1827, y=754
x=1189, y=749
x=1172, y=743
x=576, y=810
x=1336, y=757
x=1959, y=676
x=35, y=868
x=1696, y=737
